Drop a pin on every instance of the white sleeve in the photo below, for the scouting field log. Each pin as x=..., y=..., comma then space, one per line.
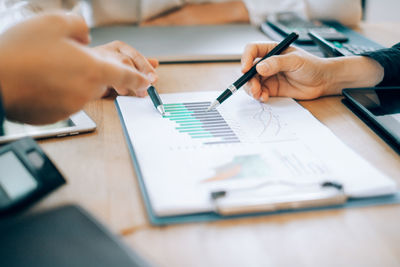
x=347, y=12
x=14, y=11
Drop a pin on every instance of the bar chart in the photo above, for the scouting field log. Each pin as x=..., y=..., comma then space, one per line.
x=192, y=119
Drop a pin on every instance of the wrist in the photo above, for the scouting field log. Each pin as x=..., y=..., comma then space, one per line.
x=352, y=72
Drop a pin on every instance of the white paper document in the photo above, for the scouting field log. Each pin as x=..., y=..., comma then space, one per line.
x=189, y=153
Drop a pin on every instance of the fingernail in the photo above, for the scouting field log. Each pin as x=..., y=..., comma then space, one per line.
x=251, y=93
x=152, y=77
x=141, y=94
x=262, y=67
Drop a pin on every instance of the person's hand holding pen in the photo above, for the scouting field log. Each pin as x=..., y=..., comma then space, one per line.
x=130, y=57
x=301, y=75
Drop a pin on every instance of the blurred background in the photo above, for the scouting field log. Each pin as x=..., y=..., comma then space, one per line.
x=382, y=10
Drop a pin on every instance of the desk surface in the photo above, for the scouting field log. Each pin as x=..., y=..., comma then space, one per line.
x=101, y=178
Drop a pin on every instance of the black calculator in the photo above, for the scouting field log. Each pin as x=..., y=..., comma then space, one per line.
x=288, y=22
x=26, y=175
x=337, y=49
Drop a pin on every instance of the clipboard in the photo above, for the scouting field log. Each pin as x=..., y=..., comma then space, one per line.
x=335, y=201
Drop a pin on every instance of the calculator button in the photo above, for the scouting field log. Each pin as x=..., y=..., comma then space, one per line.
x=4, y=199
x=36, y=159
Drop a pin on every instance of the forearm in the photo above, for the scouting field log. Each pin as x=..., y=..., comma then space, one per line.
x=347, y=12
x=352, y=72
x=259, y=9
x=204, y=13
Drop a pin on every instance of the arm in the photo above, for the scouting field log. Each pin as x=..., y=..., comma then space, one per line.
x=298, y=74
x=347, y=12
x=205, y=13
x=47, y=72
x=260, y=9
x=2, y=115
x=168, y=12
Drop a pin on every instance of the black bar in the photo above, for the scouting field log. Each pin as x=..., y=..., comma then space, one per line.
x=224, y=135
x=221, y=142
x=211, y=120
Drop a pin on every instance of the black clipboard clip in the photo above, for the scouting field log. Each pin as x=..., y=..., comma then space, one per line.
x=242, y=201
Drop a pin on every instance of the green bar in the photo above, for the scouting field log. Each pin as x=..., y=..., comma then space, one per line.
x=194, y=131
x=202, y=136
x=190, y=127
x=175, y=109
x=190, y=124
x=186, y=121
x=178, y=117
x=182, y=118
x=180, y=113
x=199, y=133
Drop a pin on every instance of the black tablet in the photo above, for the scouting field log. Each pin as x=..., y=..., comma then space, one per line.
x=379, y=107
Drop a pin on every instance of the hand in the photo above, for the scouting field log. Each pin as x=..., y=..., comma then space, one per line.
x=300, y=75
x=131, y=57
x=47, y=72
x=294, y=73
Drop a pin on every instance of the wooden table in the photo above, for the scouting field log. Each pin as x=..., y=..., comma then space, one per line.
x=101, y=178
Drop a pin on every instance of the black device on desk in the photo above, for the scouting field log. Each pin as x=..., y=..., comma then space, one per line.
x=379, y=107
x=67, y=236
x=26, y=175
x=288, y=22
x=355, y=43
x=337, y=49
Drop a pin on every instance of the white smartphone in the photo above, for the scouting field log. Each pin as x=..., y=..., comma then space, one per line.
x=78, y=123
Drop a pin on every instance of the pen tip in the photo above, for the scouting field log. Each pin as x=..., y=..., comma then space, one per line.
x=161, y=109
x=213, y=105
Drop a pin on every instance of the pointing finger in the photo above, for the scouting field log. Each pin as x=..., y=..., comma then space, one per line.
x=122, y=77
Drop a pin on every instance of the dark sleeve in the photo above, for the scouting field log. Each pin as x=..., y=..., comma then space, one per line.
x=389, y=59
x=2, y=114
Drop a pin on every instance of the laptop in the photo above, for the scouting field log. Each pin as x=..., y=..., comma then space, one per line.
x=183, y=43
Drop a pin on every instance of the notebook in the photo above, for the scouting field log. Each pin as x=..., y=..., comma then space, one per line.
x=249, y=150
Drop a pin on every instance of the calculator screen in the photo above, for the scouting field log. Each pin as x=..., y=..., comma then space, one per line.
x=15, y=180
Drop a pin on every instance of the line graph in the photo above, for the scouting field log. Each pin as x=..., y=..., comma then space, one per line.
x=258, y=122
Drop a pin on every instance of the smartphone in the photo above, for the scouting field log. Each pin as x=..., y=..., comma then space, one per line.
x=288, y=22
x=75, y=124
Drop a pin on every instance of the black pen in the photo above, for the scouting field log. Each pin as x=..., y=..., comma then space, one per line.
x=248, y=75
x=155, y=98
